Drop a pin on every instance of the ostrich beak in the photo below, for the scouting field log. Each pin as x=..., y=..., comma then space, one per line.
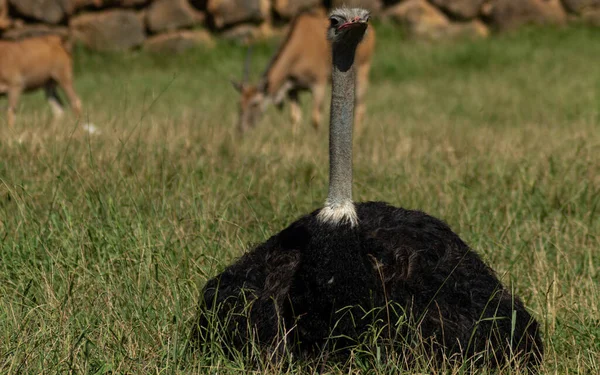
x=354, y=23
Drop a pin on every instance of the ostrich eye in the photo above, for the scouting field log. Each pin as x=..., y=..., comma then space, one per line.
x=334, y=21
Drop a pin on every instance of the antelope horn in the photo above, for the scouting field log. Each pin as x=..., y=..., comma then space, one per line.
x=247, y=65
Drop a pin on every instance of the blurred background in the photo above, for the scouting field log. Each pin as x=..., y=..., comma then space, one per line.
x=172, y=25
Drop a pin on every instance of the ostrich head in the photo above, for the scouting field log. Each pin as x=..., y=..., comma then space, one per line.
x=347, y=25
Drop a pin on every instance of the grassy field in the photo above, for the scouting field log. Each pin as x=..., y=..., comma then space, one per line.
x=106, y=239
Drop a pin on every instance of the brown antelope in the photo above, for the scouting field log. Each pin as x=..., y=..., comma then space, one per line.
x=302, y=63
x=33, y=63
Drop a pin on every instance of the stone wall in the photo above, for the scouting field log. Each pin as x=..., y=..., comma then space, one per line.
x=174, y=25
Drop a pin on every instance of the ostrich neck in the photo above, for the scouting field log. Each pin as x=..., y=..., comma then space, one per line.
x=339, y=207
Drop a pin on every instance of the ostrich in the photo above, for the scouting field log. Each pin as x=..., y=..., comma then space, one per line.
x=329, y=277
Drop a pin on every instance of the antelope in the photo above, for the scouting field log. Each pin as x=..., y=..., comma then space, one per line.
x=34, y=63
x=302, y=63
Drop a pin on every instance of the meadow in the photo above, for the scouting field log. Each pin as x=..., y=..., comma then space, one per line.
x=106, y=239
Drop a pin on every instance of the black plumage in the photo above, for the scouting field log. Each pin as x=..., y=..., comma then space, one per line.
x=303, y=276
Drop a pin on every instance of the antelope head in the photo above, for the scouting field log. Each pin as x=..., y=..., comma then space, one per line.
x=252, y=98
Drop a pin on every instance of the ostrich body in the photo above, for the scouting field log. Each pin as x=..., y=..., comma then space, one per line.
x=333, y=274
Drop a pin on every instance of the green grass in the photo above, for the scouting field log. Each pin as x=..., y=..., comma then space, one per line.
x=106, y=240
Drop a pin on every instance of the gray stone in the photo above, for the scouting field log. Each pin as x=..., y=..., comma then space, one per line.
x=510, y=14
x=108, y=30
x=231, y=12
x=420, y=18
x=581, y=6
x=48, y=11
x=163, y=15
x=424, y=21
x=466, y=30
x=289, y=8
x=462, y=9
